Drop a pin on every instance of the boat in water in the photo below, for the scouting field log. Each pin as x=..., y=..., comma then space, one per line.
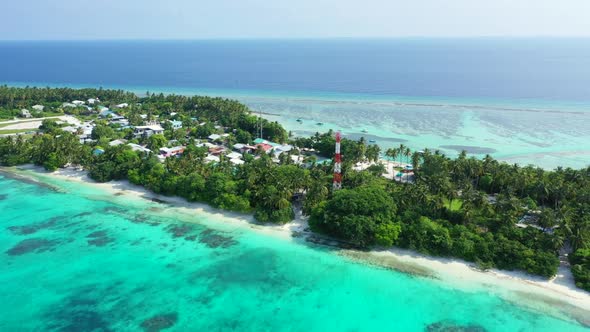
x=372, y=141
x=320, y=123
x=364, y=131
x=299, y=120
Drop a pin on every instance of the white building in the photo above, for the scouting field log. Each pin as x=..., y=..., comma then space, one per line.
x=176, y=124
x=212, y=159
x=236, y=161
x=278, y=150
x=117, y=142
x=206, y=144
x=91, y=101
x=38, y=108
x=234, y=155
x=149, y=130
x=214, y=137
x=137, y=147
x=70, y=129
x=78, y=102
x=123, y=105
x=25, y=113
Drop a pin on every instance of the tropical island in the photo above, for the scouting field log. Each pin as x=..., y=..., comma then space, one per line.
x=216, y=151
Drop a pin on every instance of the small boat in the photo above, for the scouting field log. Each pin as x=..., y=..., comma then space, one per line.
x=365, y=131
x=320, y=123
x=372, y=141
x=299, y=120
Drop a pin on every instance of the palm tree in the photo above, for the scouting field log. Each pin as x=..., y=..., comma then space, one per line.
x=401, y=149
x=407, y=154
x=392, y=154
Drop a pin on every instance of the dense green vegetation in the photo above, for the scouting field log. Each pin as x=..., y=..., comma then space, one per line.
x=463, y=207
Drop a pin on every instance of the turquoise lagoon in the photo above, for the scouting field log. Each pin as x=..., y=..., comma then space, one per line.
x=76, y=258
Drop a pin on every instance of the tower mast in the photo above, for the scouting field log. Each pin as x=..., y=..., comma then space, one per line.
x=337, y=165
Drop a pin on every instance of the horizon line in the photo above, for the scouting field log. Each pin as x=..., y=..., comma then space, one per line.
x=306, y=38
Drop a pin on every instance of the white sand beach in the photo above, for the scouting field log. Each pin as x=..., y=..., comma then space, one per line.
x=558, y=296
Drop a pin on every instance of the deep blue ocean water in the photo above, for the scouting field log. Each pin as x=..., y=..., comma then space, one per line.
x=554, y=69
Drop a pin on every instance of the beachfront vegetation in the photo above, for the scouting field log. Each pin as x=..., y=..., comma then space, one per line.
x=483, y=211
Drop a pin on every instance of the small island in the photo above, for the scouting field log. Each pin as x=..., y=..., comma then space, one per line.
x=217, y=151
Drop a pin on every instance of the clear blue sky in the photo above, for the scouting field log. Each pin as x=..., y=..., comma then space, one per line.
x=194, y=19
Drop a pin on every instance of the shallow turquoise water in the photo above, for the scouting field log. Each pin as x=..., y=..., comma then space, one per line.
x=71, y=260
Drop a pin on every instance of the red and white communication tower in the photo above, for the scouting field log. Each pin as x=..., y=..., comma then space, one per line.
x=337, y=164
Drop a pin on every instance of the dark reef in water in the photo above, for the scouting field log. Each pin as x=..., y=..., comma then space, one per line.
x=159, y=322
x=82, y=214
x=26, y=179
x=3, y=197
x=36, y=245
x=34, y=228
x=449, y=326
x=470, y=149
x=208, y=237
x=213, y=239
x=114, y=209
x=78, y=312
x=237, y=270
x=143, y=219
x=157, y=200
x=99, y=238
x=181, y=230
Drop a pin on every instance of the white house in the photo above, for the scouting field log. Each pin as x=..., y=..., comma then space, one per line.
x=86, y=130
x=137, y=147
x=236, y=161
x=214, y=137
x=25, y=113
x=148, y=130
x=68, y=105
x=212, y=158
x=117, y=142
x=175, y=151
x=176, y=124
x=123, y=105
x=70, y=129
x=244, y=148
x=38, y=108
x=91, y=101
x=278, y=150
x=78, y=102
x=106, y=112
x=234, y=155
x=206, y=144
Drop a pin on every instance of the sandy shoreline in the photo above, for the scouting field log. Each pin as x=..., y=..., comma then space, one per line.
x=558, y=296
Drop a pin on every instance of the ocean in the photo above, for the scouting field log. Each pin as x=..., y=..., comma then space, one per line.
x=73, y=257
x=523, y=100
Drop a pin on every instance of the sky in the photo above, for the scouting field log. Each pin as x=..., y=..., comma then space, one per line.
x=200, y=19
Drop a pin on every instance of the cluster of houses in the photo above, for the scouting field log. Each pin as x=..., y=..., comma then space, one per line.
x=216, y=144
x=83, y=131
x=216, y=148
